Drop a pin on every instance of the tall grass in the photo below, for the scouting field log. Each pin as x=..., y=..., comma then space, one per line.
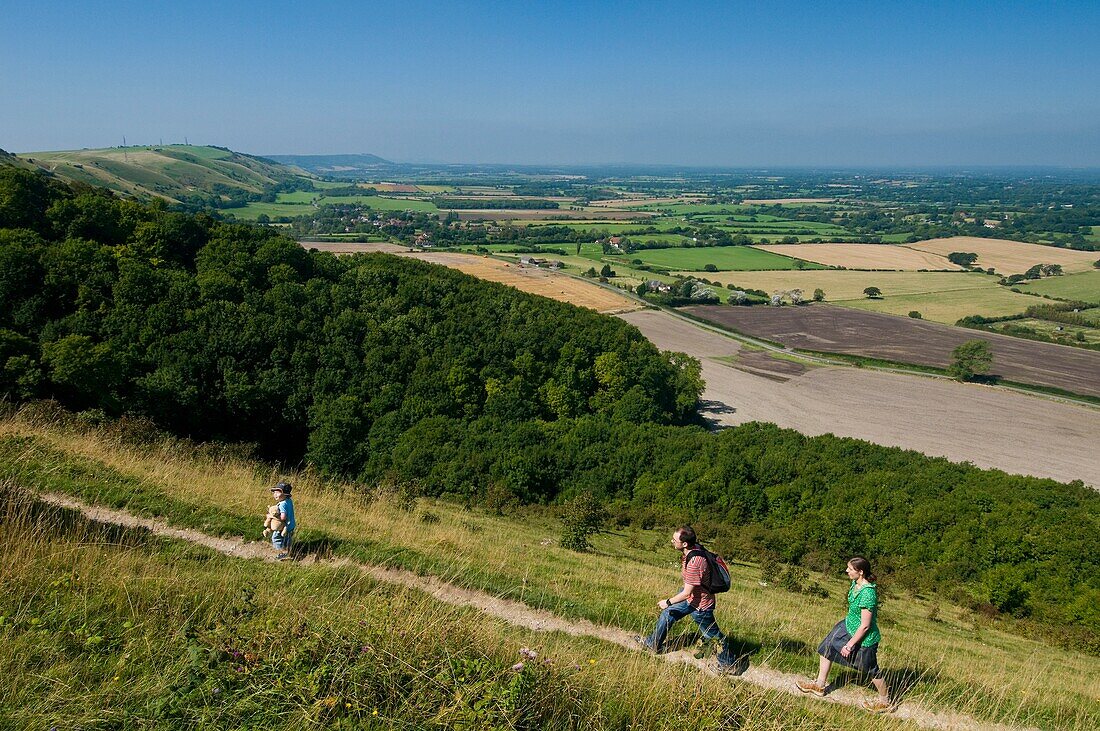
x=107, y=628
x=954, y=661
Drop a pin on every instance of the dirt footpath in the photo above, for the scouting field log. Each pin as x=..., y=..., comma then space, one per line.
x=523, y=615
x=988, y=426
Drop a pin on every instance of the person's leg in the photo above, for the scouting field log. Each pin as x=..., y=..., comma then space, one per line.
x=712, y=633
x=823, y=666
x=669, y=617
x=880, y=686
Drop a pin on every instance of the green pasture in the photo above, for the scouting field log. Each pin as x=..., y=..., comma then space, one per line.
x=252, y=211
x=1057, y=331
x=1092, y=315
x=725, y=258
x=378, y=203
x=1084, y=286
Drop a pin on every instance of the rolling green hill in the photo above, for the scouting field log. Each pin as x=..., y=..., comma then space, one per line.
x=177, y=173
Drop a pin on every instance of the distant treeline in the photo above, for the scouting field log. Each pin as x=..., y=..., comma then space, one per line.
x=494, y=203
x=375, y=367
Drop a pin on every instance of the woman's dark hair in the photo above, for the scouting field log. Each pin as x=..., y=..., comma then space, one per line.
x=859, y=563
x=687, y=534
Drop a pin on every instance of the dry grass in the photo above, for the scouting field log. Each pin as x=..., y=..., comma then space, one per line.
x=959, y=664
x=863, y=256
x=1009, y=257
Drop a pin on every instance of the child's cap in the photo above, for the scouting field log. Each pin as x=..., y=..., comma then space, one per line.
x=285, y=487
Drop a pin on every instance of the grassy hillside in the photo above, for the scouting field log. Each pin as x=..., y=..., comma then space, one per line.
x=173, y=172
x=104, y=627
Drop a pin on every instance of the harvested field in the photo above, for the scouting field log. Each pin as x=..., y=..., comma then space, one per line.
x=554, y=285
x=1009, y=257
x=832, y=329
x=846, y=284
x=393, y=187
x=989, y=427
x=863, y=256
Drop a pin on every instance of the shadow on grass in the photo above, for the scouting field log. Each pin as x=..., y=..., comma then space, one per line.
x=19, y=507
x=901, y=681
x=320, y=548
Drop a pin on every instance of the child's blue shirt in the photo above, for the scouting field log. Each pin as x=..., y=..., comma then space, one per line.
x=287, y=506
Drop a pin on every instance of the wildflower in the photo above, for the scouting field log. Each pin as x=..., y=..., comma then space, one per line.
x=517, y=667
x=374, y=712
x=527, y=653
x=591, y=662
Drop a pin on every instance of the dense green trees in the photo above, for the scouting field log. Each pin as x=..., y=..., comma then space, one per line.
x=377, y=367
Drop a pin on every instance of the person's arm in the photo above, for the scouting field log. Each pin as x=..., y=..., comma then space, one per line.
x=864, y=628
x=684, y=594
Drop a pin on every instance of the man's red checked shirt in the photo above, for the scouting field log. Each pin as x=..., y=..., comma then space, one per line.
x=696, y=572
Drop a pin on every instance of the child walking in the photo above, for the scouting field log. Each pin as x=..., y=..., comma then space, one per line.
x=282, y=539
x=854, y=640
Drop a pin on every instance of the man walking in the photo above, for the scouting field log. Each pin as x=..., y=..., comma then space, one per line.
x=695, y=598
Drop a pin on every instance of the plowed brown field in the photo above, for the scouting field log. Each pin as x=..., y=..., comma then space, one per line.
x=989, y=427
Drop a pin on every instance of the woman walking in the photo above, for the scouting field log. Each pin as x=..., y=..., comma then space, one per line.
x=853, y=642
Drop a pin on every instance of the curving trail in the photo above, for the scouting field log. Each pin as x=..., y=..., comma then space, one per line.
x=518, y=614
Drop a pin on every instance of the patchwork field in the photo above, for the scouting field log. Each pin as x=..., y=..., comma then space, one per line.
x=840, y=284
x=1084, y=286
x=831, y=329
x=948, y=306
x=989, y=427
x=864, y=256
x=726, y=258
x=1009, y=257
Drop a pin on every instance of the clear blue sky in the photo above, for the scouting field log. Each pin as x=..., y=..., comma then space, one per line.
x=726, y=83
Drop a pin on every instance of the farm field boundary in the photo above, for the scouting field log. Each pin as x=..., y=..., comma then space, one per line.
x=824, y=328
x=923, y=412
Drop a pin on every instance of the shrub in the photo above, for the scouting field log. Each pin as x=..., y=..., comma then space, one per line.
x=584, y=517
x=914, y=314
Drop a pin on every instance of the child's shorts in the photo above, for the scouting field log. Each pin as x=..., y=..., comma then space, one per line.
x=864, y=659
x=281, y=540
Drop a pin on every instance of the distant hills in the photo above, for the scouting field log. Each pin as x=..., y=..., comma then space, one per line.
x=339, y=165
x=177, y=173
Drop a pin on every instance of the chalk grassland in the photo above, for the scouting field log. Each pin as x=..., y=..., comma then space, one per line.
x=863, y=256
x=959, y=663
x=172, y=172
x=938, y=417
x=723, y=257
x=832, y=329
x=1009, y=257
x=1084, y=286
x=948, y=306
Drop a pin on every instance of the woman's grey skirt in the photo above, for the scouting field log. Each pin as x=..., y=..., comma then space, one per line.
x=864, y=659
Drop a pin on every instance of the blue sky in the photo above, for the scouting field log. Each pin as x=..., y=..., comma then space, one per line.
x=727, y=84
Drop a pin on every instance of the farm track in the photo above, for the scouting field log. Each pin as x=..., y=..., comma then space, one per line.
x=515, y=613
x=989, y=426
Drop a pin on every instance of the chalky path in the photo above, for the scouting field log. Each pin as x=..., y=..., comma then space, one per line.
x=513, y=612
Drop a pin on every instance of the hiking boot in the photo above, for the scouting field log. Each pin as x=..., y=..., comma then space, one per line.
x=643, y=642
x=878, y=705
x=811, y=687
x=283, y=557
